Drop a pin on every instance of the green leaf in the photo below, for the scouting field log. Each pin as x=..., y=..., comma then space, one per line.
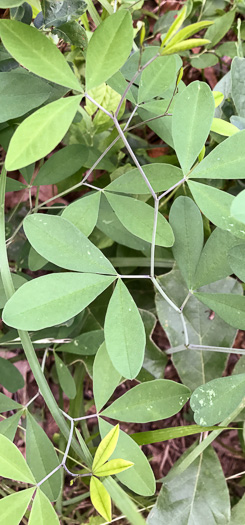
x=164, y=434
x=109, y=48
x=13, y=507
x=53, y=299
x=198, y=495
x=8, y=426
x=238, y=207
x=14, y=185
x=155, y=360
x=10, y=377
x=138, y=218
x=42, y=458
x=216, y=205
x=84, y=212
x=73, y=33
x=161, y=177
x=157, y=78
x=12, y=463
x=195, y=367
x=150, y=401
x=124, y=333
x=24, y=43
x=222, y=127
x=217, y=399
x=6, y=404
x=100, y=498
x=226, y=161
x=57, y=13
x=236, y=258
x=61, y=165
x=65, y=378
x=7, y=4
x=114, y=466
x=186, y=222
x=87, y=343
x=35, y=260
x=237, y=84
x=18, y=280
x=106, y=448
x=237, y=513
x=102, y=369
x=194, y=105
x=231, y=308
x=20, y=93
x=140, y=477
x=214, y=262
x=42, y=511
x=220, y=27
x=40, y=133
x=60, y=242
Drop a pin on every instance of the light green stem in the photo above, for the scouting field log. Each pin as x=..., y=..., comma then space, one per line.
x=24, y=336
x=93, y=13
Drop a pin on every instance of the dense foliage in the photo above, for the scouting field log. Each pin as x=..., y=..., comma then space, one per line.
x=100, y=240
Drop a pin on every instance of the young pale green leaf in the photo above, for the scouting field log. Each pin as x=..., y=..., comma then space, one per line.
x=149, y=401
x=175, y=26
x=42, y=458
x=157, y=78
x=7, y=4
x=13, y=507
x=231, y=308
x=161, y=177
x=6, y=404
x=220, y=27
x=60, y=242
x=227, y=161
x=124, y=333
x=24, y=43
x=164, y=434
x=100, y=498
x=53, y=299
x=42, y=511
x=189, y=30
x=8, y=426
x=40, y=133
x=20, y=93
x=139, y=478
x=61, y=165
x=102, y=369
x=238, y=207
x=214, y=263
x=197, y=496
x=218, y=98
x=65, y=378
x=222, y=127
x=185, y=45
x=138, y=218
x=12, y=463
x=214, y=401
x=18, y=280
x=216, y=205
x=106, y=448
x=114, y=466
x=109, y=48
x=236, y=258
x=186, y=222
x=10, y=377
x=84, y=213
x=194, y=105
